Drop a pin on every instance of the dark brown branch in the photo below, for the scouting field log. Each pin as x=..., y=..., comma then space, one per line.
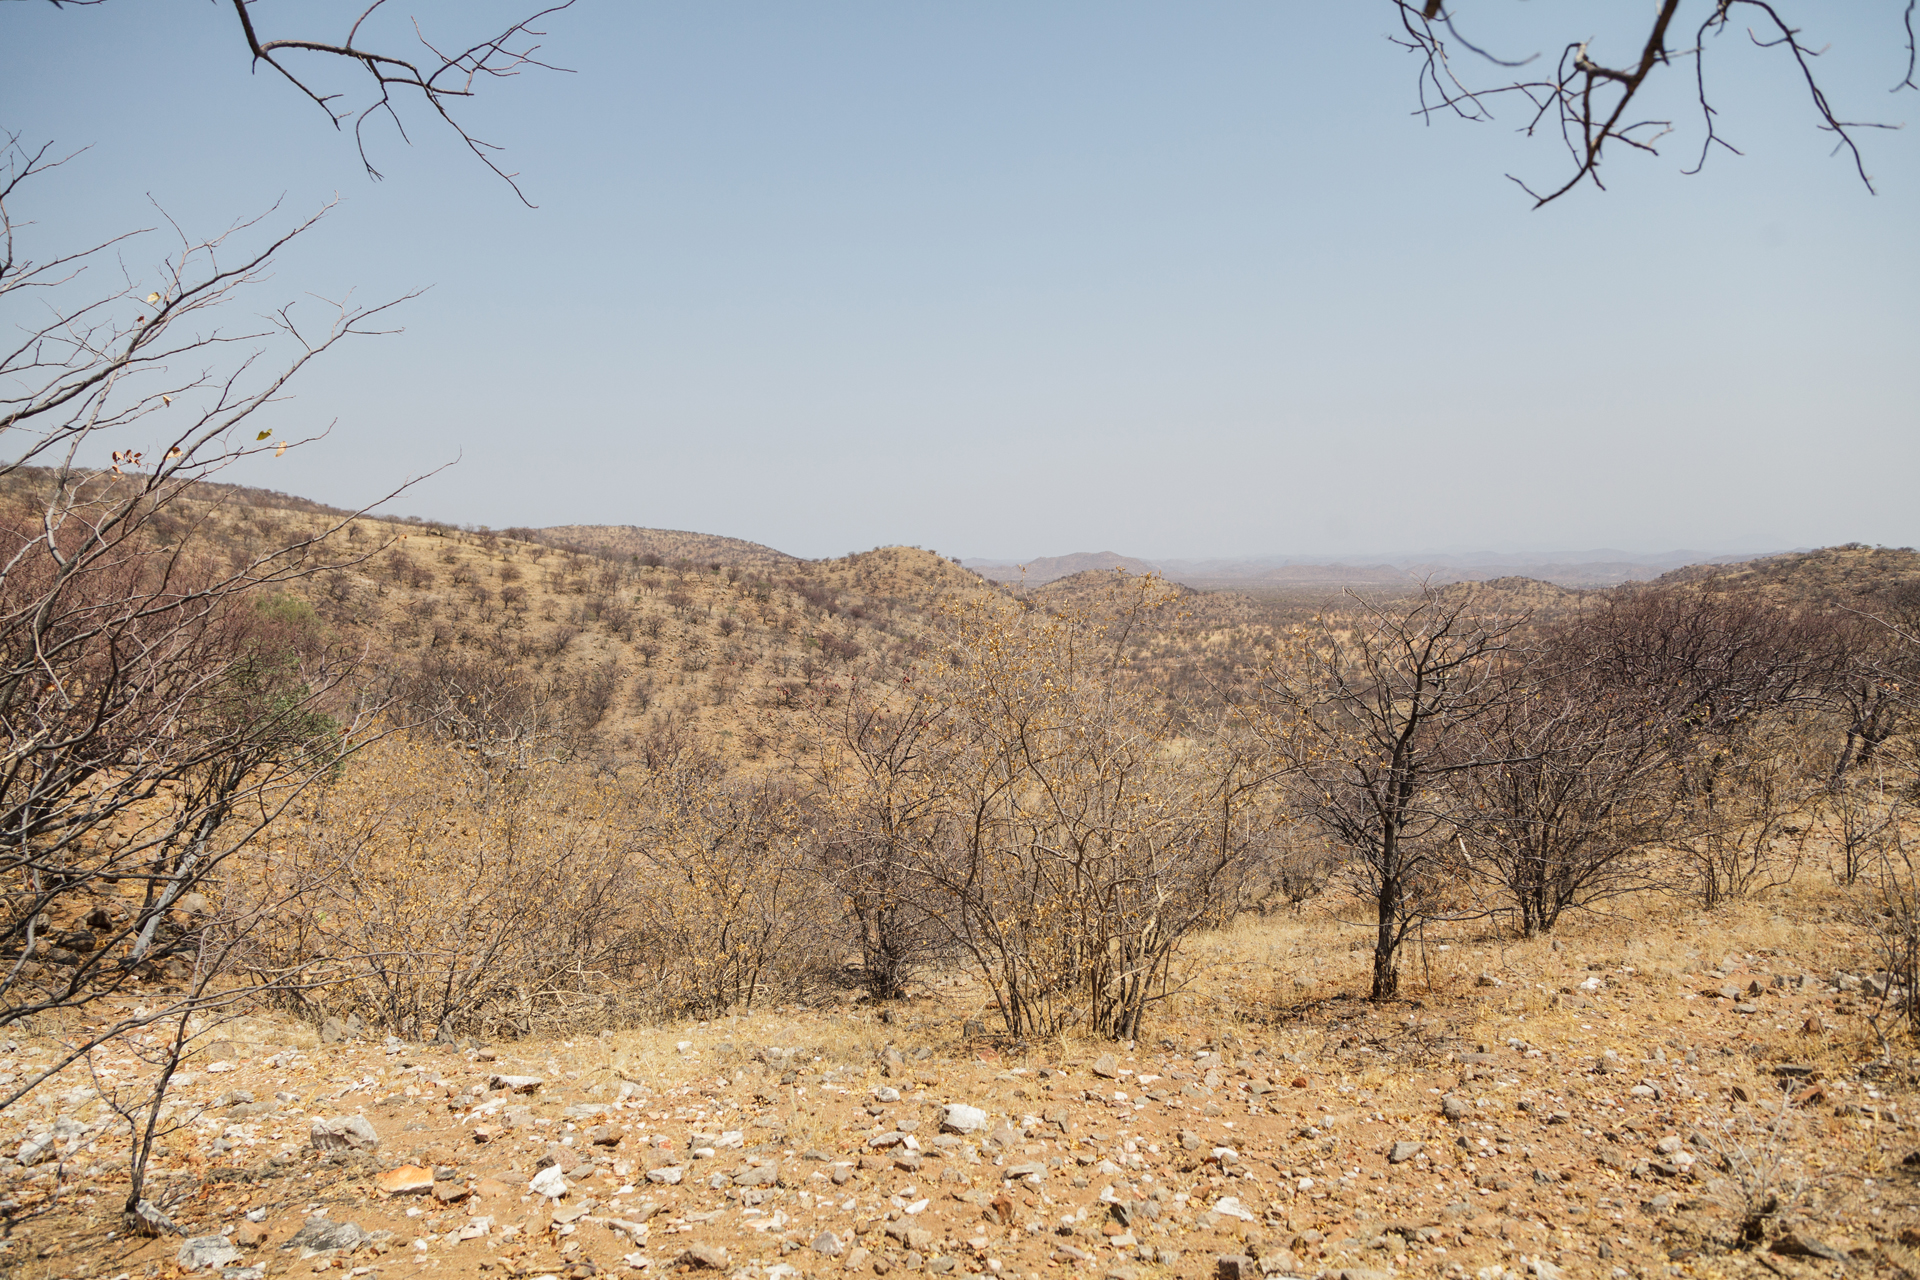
x=1589, y=100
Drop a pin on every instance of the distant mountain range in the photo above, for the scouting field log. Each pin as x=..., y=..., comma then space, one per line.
x=1605, y=567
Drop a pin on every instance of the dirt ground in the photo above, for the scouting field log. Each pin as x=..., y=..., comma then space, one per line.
x=1652, y=1095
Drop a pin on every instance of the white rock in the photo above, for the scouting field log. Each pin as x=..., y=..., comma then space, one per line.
x=961, y=1118
x=1232, y=1208
x=549, y=1182
x=476, y=1228
x=517, y=1084
x=669, y=1175
x=207, y=1252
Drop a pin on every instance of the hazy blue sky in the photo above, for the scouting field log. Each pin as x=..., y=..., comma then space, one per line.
x=1013, y=279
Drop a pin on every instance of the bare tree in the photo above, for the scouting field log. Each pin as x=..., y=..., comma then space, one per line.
x=1569, y=785
x=1086, y=839
x=160, y=702
x=1368, y=717
x=1589, y=99
x=1874, y=688
x=1736, y=682
x=884, y=772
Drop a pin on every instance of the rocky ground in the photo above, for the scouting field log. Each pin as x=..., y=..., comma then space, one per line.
x=1637, y=1108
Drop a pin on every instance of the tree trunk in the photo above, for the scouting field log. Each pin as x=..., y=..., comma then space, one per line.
x=1386, y=977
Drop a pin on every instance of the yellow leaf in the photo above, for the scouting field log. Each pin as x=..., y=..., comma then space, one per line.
x=282, y=449
x=153, y=297
x=264, y=434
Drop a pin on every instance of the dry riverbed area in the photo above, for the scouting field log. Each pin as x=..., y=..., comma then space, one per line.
x=1705, y=1101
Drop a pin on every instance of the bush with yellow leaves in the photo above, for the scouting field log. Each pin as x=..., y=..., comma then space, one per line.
x=437, y=898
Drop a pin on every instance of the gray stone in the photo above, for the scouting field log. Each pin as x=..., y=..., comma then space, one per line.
x=1235, y=1266
x=203, y=1253
x=1794, y=1242
x=1031, y=1170
x=516, y=1084
x=1455, y=1108
x=347, y=1028
x=1106, y=1065
x=1405, y=1151
x=343, y=1132
x=321, y=1234
x=764, y=1175
x=828, y=1245
x=147, y=1220
x=705, y=1256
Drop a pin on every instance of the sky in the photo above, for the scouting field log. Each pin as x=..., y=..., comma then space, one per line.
x=1010, y=279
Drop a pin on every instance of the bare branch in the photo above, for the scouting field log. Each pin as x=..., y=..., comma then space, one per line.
x=1588, y=100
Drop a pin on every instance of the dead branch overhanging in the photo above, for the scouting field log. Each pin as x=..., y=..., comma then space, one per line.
x=441, y=78
x=1575, y=99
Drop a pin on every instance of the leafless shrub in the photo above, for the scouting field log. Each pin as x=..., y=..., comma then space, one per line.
x=437, y=904
x=1369, y=720
x=1753, y=1172
x=1078, y=845
x=732, y=910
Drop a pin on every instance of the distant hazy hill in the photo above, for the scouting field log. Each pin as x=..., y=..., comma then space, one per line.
x=1048, y=568
x=673, y=546
x=1581, y=570
x=1841, y=575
